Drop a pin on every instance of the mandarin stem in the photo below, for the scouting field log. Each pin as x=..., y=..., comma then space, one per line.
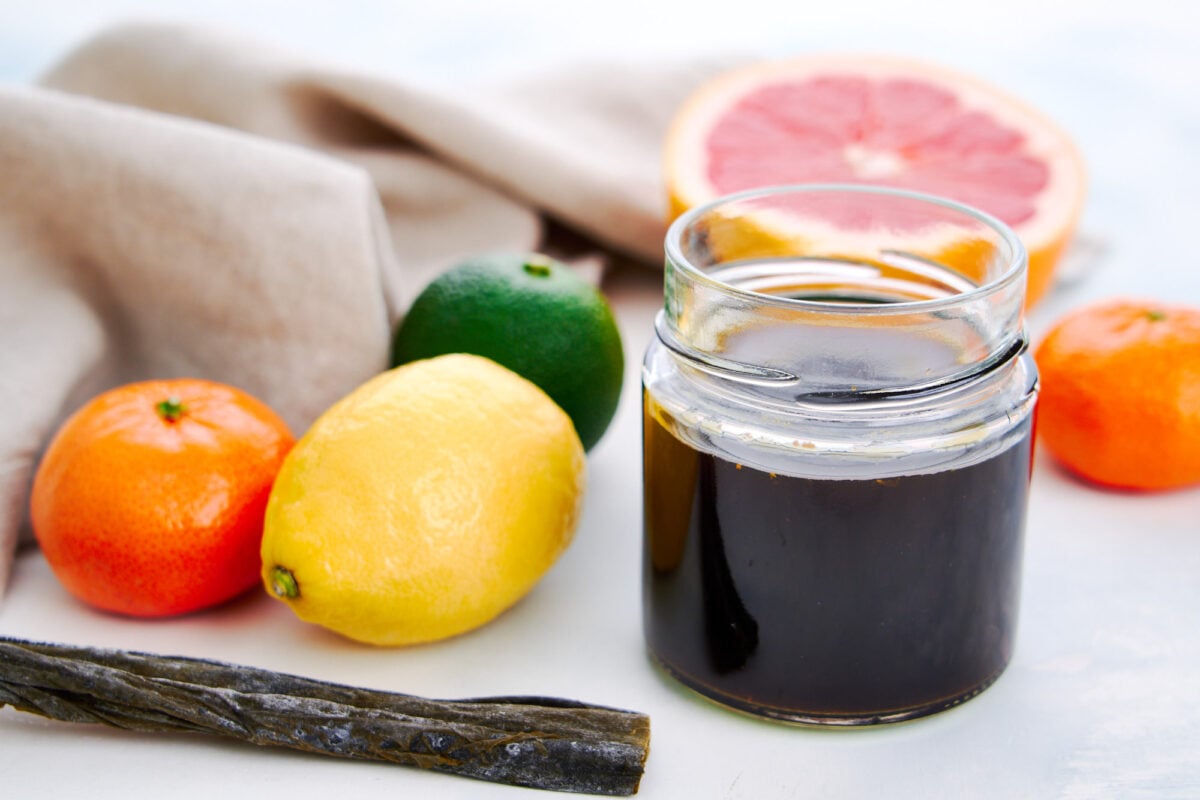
x=171, y=409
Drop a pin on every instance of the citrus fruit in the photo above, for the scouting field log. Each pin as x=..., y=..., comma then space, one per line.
x=1120, y=397
x=533, y=315
x=424, y=503
x=883, y=121
x=149, y=500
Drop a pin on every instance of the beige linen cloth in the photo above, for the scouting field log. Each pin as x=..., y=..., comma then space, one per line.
x=180, y=202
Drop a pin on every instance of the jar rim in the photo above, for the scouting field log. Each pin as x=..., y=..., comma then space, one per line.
x=1014, y=269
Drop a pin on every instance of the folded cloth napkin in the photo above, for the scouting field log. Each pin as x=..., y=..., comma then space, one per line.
x=179, y=202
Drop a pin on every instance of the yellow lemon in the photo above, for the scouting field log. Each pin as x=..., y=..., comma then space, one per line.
x=425, y=503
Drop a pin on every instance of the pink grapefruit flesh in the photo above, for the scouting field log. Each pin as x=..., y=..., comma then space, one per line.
x=881, y=121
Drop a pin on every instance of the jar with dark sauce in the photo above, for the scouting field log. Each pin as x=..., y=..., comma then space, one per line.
x=837, y=449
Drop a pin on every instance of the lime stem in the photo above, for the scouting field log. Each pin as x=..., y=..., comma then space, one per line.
x=171, y=409
x=283, y=583
x=537, y=267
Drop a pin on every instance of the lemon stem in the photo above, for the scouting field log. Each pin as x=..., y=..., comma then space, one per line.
x=537, y=268
x=283, y=583
x=170, y=409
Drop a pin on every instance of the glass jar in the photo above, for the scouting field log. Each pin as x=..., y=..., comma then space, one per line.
x=837, y=451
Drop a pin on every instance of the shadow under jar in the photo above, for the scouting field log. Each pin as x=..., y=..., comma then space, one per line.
x=837, y=451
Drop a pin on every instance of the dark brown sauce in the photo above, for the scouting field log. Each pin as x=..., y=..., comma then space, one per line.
x=831, y=600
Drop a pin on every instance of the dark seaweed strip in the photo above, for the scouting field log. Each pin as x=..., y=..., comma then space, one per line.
x=543, y=743
x=551, y=715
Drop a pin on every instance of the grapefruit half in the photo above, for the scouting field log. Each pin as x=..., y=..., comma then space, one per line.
x=881, y=121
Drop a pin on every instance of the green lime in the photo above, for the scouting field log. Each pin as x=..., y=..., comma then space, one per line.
x=534, y=316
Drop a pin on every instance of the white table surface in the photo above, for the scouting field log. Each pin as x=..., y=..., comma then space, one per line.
x=1102, y=698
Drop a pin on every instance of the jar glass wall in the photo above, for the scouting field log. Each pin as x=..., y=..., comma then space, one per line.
x=837, y=445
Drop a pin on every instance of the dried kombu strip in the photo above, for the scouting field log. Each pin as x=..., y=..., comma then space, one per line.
x=538, y=742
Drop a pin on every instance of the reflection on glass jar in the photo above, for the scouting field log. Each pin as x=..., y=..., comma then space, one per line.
x=837, y=445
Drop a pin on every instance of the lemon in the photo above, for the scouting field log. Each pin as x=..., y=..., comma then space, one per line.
x=425, y=503
x=535, y=316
